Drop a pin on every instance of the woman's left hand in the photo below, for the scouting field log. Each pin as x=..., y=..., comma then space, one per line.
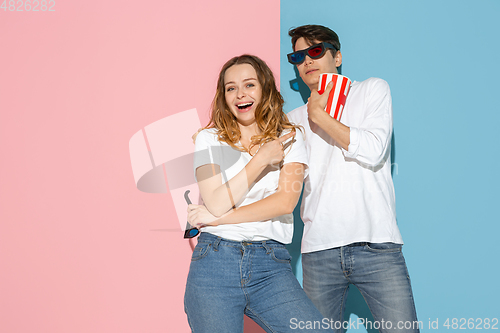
x=199, y=216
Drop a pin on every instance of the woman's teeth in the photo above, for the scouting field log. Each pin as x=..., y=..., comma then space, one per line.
x=244, y=106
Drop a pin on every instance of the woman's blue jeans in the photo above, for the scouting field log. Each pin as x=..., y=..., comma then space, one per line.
x=378, y=270
x=228, y=279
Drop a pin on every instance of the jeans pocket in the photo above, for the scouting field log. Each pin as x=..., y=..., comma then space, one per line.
x=200, y=251
x=281, y=254
x=383, y=247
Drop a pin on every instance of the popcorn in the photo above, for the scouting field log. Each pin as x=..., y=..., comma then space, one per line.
x=338, y=94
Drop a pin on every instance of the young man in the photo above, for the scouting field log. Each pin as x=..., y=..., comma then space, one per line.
x=348, y=206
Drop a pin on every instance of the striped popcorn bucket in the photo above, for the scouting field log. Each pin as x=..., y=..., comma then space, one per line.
x=338, y=94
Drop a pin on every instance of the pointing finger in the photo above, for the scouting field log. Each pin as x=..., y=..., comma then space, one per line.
x=286, y=137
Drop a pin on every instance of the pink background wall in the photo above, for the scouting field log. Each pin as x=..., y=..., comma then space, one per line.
x=79, y=246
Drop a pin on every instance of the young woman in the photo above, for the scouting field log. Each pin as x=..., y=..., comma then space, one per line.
x=250, y=163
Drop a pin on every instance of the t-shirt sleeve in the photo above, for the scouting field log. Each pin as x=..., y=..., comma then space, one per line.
x=370, y=141
x=296, y=152
x=209, y=150
x=206, y=142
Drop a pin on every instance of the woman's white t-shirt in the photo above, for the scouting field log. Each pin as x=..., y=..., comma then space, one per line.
x=209, y=150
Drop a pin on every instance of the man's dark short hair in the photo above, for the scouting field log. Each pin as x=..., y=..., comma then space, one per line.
x=312, y=33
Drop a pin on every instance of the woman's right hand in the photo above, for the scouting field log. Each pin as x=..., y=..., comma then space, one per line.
x=272, y=152
x=199, y=216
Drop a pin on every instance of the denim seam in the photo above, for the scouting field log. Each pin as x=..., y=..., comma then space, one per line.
x=411, y=296
x=236, y=246
x=349, y=272
x=366, y=302
x=281, y=261
x=250, y=266
x=407, y=275
x=203, y=254
x=342, y=305
x=353, y=259
x=393, y=250
x=371, y=311
x=268, y=249
x=245, y=281
x=187, y=315
x=216, y=244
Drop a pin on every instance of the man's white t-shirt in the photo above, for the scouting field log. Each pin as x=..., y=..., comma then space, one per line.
x=209, y=150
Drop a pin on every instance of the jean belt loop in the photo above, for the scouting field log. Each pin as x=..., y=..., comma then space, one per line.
x=216, y=244
x=268, y=249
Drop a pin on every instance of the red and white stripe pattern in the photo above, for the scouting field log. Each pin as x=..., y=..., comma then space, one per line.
x=338, y=94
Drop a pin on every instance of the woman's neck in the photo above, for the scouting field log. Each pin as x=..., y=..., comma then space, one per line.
x=246, y=134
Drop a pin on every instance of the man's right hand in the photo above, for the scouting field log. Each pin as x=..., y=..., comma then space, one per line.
x=316, y=103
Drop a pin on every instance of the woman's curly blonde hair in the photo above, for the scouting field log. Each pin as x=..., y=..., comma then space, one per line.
x=269, y=115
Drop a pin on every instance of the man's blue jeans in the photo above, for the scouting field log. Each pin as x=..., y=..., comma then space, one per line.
x=228, y=279
x=378, y=270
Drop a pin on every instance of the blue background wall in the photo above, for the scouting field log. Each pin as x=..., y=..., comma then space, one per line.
x=441, y=59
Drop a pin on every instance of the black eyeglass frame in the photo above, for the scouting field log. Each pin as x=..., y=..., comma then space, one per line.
x=324, y=47
x=190, y=231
